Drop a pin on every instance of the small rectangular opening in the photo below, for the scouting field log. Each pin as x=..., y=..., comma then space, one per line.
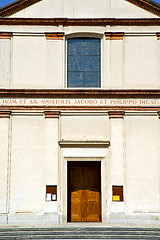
x=51, y=193
x=117, y=193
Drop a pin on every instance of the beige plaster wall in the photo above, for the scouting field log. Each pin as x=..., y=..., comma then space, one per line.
x=4, y=144
x=29, y=62
x=117, y=151
x=55, y=64
x=116, y=63
x=27, y=193
x=51, y=151
x=84, y=128
x=142, y=189
x=5, y=62
x=51, y=158
x=83, y=9
x=140, y=64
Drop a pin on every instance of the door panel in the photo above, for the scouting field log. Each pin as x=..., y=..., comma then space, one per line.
x=76, y=208
x=84, y=192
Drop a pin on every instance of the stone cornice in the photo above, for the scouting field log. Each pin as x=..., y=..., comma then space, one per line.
x=79, y=93
x=81, y=21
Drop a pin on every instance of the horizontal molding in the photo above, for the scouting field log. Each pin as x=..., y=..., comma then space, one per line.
x=5, y=35
x=5, y=114
x=54, y=36
x=114, y=35
x=51, y=114
x=79, y=108
x=84, y=143
x=81, y=21
x=79, y=93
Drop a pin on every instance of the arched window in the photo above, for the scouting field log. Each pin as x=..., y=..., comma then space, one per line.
x=83, y=62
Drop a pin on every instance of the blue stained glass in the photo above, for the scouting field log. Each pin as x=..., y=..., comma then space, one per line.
x=75, y=63
x=92, y=79
x=83, y=62
x=92, y=63
x=92, y=47
x=75, y=47
x=75, y=79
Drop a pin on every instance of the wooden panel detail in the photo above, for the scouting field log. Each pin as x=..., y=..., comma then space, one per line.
x=55, y=36
x=116, y=114
x=5, y=114
x=4, y=35
x=84, y=192
x=114, y=35
x=51, y=114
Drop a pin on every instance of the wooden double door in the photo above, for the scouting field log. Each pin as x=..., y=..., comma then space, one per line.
x=84, y=191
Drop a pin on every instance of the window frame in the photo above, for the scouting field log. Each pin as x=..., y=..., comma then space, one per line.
x=83, y=35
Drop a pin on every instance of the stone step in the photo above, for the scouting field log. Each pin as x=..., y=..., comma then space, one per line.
x=15, y=237
x=2, y=229
x=79, y=233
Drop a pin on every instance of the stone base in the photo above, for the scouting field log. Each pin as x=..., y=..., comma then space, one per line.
x=3, y=219
x=138, y=218
x=56, y=218
x=20, y=219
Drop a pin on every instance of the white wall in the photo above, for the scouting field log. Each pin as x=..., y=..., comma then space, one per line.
x=4, y=155
x=142, y=190
x=55, y=64
x=5, y=62
x=84, y=128
x=140, y=62
x=116, y=61
x=29, y=62
x=27, y=192
x=83, y=9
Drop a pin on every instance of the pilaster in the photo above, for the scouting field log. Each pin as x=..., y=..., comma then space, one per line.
x=115, y=40
x=117, y=155
x=51, y=154
x=5, y=56
x=54, y=64
x=5, y=136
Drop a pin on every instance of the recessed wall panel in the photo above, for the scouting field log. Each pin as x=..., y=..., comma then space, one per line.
x=140, y=66
x=142, y=193
x=29, y=62
x=27, y=194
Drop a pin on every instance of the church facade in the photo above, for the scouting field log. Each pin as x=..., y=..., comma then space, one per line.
x=79, y=111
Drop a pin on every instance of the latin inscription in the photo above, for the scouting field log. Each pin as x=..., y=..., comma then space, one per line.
x=79, y=102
